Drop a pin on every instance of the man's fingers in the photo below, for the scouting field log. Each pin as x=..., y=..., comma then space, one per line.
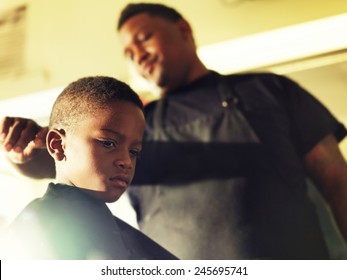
x=40, y=139
x=24, y=156
x=14, y=132
x=20, y=133
x=5, y=125
x=27, y=135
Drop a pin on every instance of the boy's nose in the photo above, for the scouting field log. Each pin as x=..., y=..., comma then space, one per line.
x=124, y=162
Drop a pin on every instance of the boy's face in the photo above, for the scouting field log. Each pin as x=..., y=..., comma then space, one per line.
x=101, y=154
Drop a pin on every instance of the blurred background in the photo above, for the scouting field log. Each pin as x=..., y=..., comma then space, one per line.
x=46, y=44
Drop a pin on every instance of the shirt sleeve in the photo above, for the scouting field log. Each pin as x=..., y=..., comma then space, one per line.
x=310, y=119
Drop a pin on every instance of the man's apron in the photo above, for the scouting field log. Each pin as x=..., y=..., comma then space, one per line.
x=198, y=220
x=211, y=193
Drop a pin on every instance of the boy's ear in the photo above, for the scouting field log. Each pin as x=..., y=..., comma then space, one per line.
x=55, y=141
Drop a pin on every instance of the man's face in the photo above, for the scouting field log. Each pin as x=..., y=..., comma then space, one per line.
x=157, y=48
x=101, y=154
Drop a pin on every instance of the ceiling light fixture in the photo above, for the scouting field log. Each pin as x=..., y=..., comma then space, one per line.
x=277, y=46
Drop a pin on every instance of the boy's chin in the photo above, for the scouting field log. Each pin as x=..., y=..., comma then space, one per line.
x=103, y=196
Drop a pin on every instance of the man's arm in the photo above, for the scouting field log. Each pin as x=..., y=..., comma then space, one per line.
x=23, y=142
x=328, y=169
x=39, y=167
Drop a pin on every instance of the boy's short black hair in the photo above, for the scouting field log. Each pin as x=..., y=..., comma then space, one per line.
x=86, y=95
x=159, y=10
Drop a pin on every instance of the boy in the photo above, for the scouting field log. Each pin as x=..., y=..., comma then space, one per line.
x=95, y=133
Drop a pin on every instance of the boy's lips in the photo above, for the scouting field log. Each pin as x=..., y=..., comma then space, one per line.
x=120, y=181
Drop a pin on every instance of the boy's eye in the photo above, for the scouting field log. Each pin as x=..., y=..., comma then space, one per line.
x=108, y=144
x=135, y=153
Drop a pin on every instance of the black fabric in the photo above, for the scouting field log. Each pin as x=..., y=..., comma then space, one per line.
x=278, y=109
x=218, y=182
x=67, y=223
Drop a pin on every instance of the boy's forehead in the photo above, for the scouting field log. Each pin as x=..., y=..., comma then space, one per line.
x=93, y=109
x=109, y=111
x=119, y=114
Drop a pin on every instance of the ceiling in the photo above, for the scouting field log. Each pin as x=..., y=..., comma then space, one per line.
x=59, y=41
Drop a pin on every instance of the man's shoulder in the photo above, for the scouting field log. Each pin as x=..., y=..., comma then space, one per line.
x=151, y=105
x=254, y=77
x=263, y=85
x=149, y=109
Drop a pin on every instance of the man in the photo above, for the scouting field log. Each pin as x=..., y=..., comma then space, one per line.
x=232, y=154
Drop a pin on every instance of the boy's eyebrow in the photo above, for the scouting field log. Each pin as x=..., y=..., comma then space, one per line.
x=118, y=134
x=111, y=131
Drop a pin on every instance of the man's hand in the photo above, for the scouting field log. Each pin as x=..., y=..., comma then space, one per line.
x=21, y=139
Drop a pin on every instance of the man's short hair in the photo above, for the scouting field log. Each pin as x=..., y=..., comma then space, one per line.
x=82, y=98
x=159, y=10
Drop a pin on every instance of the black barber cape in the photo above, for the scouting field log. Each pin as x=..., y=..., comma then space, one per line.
x=67, y=223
